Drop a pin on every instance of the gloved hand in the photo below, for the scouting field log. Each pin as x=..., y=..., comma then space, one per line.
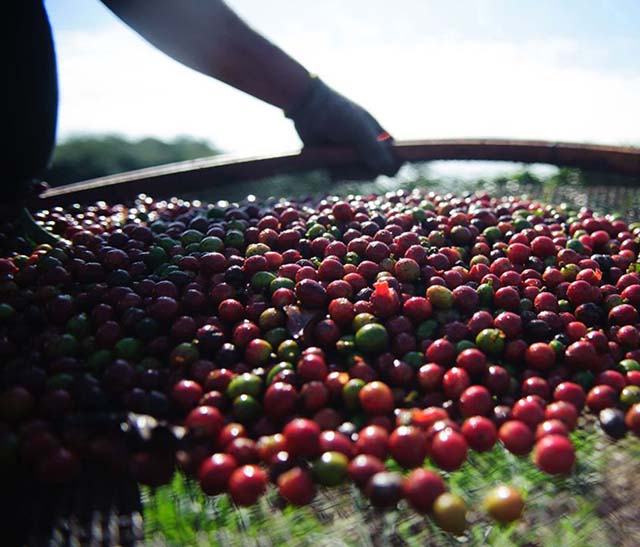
x=324, y=117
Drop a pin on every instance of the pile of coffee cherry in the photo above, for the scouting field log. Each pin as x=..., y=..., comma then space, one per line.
x=308, y=343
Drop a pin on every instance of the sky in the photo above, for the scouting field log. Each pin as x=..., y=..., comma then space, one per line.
x=549, y=69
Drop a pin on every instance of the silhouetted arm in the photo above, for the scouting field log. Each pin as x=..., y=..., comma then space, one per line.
x=209, y=37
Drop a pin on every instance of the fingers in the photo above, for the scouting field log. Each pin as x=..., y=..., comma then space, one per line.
x=330, y=118
x=377, y=152
x=390, y=164
x=373, y=143
x=379, y=161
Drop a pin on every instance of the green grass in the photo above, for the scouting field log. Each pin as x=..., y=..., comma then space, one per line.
x=581, y=509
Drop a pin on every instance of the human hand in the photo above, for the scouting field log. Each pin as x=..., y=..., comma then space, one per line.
x=325, y=117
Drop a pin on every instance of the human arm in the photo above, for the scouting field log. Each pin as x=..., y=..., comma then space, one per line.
x=209, y=37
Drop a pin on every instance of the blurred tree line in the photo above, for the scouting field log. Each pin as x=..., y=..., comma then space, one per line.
x=89, y=156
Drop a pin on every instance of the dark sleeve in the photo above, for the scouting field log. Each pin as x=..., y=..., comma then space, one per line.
x=30, y=110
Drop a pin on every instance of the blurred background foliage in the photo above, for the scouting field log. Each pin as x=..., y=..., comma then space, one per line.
x=95, y=155
x=88, y=156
